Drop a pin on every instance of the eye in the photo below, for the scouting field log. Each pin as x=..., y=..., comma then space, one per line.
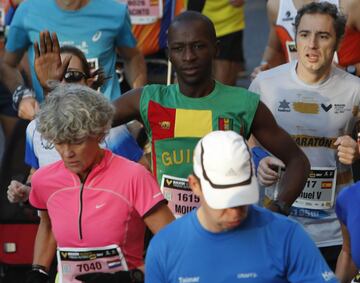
x=198, y=45
x=177, y=48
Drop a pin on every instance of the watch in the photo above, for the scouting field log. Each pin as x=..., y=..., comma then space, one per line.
x=351, y=69
x=137, y=276
x=283, y=208
x=20, y=93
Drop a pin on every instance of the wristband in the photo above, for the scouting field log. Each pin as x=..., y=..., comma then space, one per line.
x=20, y=93
x=258, y=153
x=282, y=207
x=40, y=268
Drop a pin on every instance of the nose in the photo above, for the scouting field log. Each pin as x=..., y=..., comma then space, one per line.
x=67, y=151
x=238, y=213
x=313, y=42
x=189, y=53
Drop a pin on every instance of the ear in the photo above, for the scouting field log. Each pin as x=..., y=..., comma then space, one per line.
x=195, y=185
x=217, y=48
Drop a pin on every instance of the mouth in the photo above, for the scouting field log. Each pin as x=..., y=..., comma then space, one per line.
x=312, y=58
x=190, y=70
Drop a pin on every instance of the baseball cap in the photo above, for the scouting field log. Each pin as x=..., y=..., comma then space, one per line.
x=222, y=162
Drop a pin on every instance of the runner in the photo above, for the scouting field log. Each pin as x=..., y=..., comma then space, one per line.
x=38, y=153
x=228, y=239
x=94, y=204
x=100, y=28
x=280, y=47
x=317, y=103
x=348, y=264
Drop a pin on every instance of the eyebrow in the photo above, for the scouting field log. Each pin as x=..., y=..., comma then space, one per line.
x=316, y=32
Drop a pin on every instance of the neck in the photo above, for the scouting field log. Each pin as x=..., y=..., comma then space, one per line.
x=197, y=91
x=312, y=78
x=71, y=4
x=97, y=160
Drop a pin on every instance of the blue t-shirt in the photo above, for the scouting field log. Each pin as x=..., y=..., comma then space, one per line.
x=348, y=211
x=97, y=29
x=38, y=152
x=266, y=247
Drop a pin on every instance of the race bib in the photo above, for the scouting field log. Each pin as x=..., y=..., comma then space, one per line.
x=319, y=191
x=76, y=261
x=179, y=195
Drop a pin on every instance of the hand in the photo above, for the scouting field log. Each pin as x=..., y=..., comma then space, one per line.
x=28, y=107
x=259, y=69
x=99, y=277
x=348, y=151
x=237, y=3
x=35, y=276
x=18, y=192
x=48, y=65
x=267, y=174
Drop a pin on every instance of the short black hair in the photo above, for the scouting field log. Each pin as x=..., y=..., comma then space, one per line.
x=324, y=8
x=191, y=16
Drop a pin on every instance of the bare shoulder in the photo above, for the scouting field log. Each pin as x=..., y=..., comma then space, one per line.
x=272, y=8
x=351, y=9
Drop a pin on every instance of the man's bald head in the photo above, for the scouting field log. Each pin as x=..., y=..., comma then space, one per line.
x=192, y=16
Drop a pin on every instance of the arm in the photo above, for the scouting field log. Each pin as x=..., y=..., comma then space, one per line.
x=158, y=217
x=127, y=107
x=45, y=244
x=11, y=78
x=44, y=251
x=273, y=54
x=345, y=267
x=279, y=143
x=135, y=67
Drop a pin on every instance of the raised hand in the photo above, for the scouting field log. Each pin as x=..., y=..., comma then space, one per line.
x=48, y=65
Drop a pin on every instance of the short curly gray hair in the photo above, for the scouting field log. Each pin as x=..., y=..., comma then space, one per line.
x=73, y=112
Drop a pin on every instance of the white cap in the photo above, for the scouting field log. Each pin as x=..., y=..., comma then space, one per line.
x=222, y=162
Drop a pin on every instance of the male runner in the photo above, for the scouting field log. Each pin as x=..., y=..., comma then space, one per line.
x=177, y=116
x=317, y=103
x=280, y=46
x=228, y=239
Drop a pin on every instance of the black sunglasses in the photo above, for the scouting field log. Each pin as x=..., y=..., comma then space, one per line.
x=74, y=76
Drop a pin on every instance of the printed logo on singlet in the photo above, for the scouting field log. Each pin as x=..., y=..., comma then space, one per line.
x=165, y=125
x=341, y=108
x=288, y=17
x=328, y=275
x=97, y=36
x=246, y=275
x=189, y=279
x=284, y=106
x=326, y=108
x=226, y=124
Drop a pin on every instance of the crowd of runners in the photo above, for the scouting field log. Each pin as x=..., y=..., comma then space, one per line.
x=234, y=184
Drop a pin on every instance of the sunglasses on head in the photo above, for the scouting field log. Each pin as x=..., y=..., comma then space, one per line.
x=74, y=76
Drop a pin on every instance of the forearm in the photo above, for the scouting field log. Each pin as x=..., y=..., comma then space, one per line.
x=345, y=268
x=294, y=178
x=45, y=246
x=10, y=77
x=135, y=70
x=273, y=57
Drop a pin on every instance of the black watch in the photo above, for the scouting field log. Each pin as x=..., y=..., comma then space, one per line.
x=137, y=276
x=20, y=93
x=283, y=208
